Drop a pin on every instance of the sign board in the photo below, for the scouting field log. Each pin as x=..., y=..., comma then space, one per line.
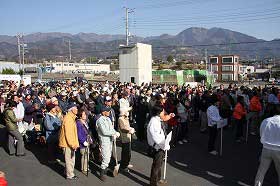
x=191, y=84
x=222, y=123
x=16, y=78
x=168, y=139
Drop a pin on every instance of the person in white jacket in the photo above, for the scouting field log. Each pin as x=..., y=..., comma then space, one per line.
x=270, y=138
x=156, y=140
x=124, y=103
x=19, y=112
x=213, y=117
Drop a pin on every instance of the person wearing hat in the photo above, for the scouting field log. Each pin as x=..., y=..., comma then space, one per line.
x=112, y=116
x=107, y=134
x=52, y=125
x=68, y=140
x=124, y=102
x=63, y=102
x=126, y=131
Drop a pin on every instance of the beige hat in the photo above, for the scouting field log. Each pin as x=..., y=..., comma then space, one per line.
x=124, y=112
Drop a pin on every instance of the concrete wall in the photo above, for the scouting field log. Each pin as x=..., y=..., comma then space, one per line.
x=136, y=61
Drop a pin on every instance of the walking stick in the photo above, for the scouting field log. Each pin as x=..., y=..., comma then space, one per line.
x=87, y=159
x=116, y=168
x=165, y=162
x=221, y=148
x=247, y=130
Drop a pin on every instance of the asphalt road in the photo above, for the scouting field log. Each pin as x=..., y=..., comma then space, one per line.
x=188, y=165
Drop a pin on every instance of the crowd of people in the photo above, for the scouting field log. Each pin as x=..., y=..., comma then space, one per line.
x=90, y=118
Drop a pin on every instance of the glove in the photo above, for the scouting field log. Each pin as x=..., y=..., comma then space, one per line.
x=167, y=147
x=132, y=130
x=117, y=134
x=85, y=144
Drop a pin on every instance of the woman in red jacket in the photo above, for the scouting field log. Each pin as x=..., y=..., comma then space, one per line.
x=239, y=115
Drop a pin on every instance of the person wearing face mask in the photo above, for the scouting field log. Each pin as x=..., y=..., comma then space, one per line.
x=126, y=131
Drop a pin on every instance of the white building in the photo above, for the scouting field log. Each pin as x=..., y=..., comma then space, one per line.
x=136, y=63
x=67, y=67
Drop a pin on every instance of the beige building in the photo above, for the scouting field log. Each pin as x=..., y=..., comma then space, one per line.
x=67, y=67
x=136, y=63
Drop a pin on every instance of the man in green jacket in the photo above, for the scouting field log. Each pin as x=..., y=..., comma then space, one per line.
x=13, y=133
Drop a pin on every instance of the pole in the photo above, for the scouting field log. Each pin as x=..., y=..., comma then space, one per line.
x=23, y=53
x=247, y=129
x=165, y=162
x=126, y=26
x=70, y=54
x=19, y=53
x=221, y=148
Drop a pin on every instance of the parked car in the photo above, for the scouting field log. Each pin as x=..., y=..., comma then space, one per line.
x=271, y=80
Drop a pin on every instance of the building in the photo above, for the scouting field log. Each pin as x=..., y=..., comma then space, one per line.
x=224, y=68
x=136, y=63
x=15, y=66
x=67, y=67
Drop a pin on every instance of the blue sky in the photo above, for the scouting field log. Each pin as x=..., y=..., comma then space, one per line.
x=257, y=18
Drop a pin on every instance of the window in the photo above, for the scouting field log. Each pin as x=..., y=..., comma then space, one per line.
x=227, y=59
x=65, y=64
x=214, y=68
x=214, y=60
x=227, y=77
x=71, y=65
x=227, y=68
x=77, y=66
x=58, y=65
x=235, y=60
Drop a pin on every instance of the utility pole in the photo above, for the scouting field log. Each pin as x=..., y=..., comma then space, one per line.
x=23, y=53
x=206, y=60
x=19, y=36
x=127, y=12
x=69, y=46
x=126, y=26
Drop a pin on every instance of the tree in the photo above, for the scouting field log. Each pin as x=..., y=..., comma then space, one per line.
x=8, y=71
x=170, y=58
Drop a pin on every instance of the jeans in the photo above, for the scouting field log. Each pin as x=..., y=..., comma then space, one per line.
x=266, y=158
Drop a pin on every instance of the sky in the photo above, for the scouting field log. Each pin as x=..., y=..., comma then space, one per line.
x=256, y=18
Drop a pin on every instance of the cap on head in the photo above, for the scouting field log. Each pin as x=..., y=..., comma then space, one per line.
x=71, y=105
x=105, y=109
x=108, y=99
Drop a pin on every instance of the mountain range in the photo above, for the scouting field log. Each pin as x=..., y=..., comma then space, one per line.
x=189, y=43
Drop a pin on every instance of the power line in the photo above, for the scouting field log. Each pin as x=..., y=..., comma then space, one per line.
x=206, y=23
x=247, y=14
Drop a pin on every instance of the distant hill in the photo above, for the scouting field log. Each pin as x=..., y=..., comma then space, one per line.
x=190, y=42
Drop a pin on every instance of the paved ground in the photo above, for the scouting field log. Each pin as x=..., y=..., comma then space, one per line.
x=188, y=165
